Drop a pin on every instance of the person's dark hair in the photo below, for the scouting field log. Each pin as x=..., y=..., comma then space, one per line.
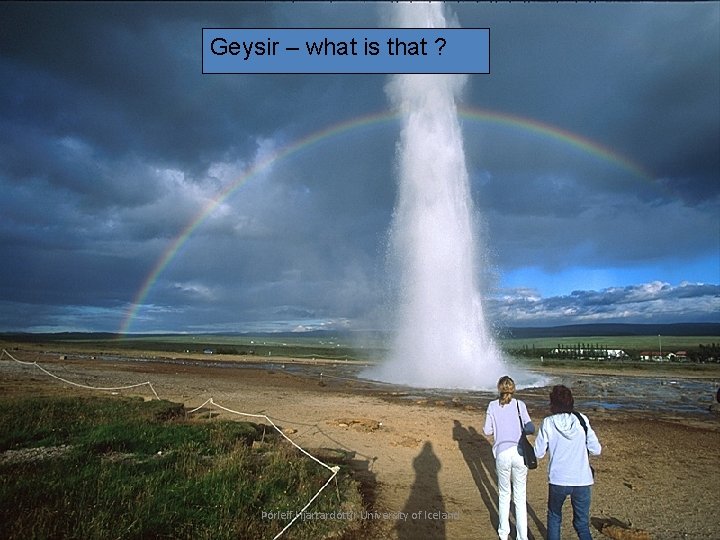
x=561, y=399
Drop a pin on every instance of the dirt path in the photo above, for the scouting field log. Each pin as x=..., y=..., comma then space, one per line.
x=428, y=460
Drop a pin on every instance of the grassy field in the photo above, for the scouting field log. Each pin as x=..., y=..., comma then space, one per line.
x=261, y=346
x=341, y=348
x=95, y=467
x=302, y=347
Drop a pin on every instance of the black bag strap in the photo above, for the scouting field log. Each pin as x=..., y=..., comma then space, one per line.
x=584, y=426
x=522, y=427
x=582, y=423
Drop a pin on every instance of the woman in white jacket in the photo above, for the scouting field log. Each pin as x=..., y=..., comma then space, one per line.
x=502, y=421
x=569, y=438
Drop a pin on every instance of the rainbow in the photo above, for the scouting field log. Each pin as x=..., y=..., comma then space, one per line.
x=555, y=133
x=470, y=114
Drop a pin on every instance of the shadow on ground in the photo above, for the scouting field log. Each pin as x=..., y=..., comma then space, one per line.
x=425, y=502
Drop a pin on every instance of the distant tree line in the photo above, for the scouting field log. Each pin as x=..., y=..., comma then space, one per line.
x=585, y=350
x=705, y=354
x=594, y=351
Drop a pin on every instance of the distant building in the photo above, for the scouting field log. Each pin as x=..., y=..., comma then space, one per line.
x=590, y=353
x=654, y=356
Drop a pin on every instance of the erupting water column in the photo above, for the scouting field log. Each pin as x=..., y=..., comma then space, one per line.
x=442, y=338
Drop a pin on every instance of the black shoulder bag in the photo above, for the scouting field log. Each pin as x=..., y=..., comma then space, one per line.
x=584, y=426
x=528, y=452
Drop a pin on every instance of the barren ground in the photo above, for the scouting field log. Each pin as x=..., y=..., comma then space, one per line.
x=658, y=472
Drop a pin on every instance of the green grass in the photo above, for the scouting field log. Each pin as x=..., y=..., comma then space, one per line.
x=262, y=347
x=134, y=469
x=306, y=347
x=337, y=348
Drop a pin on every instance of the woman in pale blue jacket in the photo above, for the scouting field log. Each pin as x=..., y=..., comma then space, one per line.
x=502, y=421
x=569, y=438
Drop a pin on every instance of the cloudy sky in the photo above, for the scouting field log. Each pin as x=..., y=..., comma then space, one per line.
x=139, y=194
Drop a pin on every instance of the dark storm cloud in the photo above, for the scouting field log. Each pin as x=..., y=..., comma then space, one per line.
x=641, y=79
x=131, y=82
x=112, y=142
x=624, y=77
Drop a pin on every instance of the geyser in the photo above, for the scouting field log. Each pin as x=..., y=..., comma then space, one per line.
x=442, y=339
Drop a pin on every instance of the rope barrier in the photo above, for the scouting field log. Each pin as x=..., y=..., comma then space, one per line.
x=212, y=402
x=148, y=383
x=333, y=469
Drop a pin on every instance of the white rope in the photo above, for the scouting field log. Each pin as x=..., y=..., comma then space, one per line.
x=335, y=470
x=275, y=426
x=148, y=383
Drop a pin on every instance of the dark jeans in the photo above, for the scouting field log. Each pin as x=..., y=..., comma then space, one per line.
x=580, y=500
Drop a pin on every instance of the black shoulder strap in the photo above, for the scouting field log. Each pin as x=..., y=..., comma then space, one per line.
x=582, y=421
x=584, y=426
x=522, y=427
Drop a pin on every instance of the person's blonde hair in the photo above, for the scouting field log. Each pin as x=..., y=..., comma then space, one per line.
x=506, y=387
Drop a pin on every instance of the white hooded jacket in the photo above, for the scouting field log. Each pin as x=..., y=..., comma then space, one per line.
x=564, y=437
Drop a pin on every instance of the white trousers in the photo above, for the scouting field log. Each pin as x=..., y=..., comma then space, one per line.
x=511, y=469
